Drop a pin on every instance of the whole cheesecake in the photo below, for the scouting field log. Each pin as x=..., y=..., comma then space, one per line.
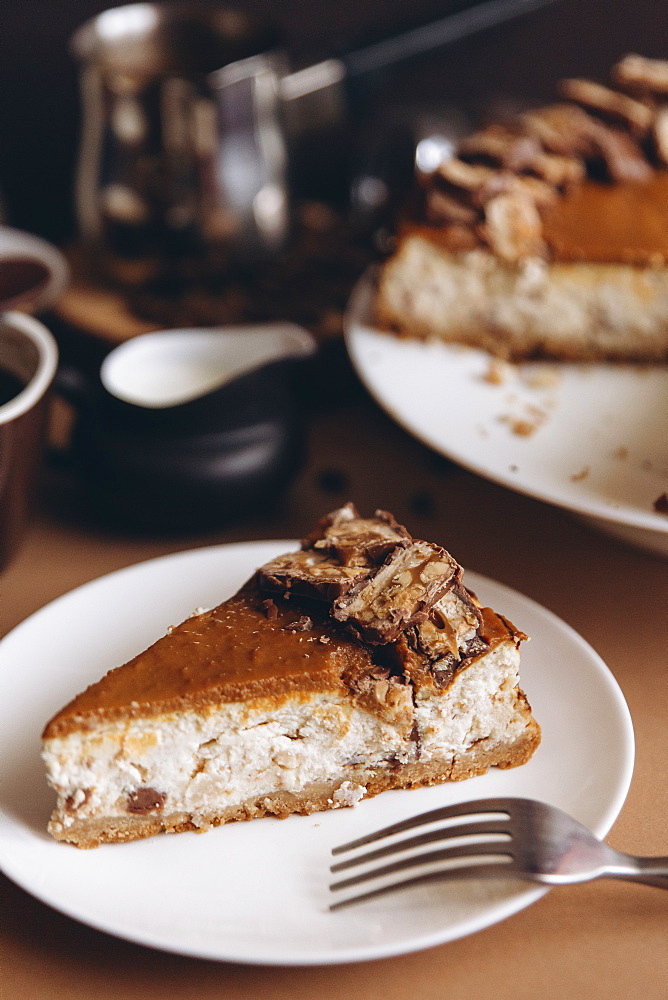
x=357, y=664
x=547, y=235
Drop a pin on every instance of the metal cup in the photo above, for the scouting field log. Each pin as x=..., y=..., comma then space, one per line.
x=28, y=361
x=183, y=156
x=188, y=114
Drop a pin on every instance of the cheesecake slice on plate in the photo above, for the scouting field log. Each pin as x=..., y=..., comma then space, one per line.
x=547, y=234
x=358, y=663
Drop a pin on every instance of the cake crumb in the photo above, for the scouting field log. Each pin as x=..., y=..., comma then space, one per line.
x=579, y=476
x=349, y=794
x=525, y=426
x=544, y=377
x=621, y=453
x=497, y=372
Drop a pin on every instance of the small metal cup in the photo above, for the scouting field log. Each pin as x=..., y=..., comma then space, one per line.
x=183, y=158
x=28, y=361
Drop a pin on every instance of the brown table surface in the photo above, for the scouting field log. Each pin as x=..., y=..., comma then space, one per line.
x=602, y=940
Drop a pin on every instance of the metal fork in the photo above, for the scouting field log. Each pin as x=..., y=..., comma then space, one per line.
x=508, y=838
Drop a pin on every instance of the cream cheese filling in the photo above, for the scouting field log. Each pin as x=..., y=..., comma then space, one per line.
x=202, y=763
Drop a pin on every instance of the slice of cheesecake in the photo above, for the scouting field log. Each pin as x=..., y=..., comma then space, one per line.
x=547, y=235
x=357, y=664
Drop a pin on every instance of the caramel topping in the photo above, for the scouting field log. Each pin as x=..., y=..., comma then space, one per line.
x=234, y=652
x=611, y=223
x=496, y=629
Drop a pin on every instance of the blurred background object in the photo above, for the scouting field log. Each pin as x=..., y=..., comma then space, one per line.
x=343, y=174
x=520, y=60
x=28, y=360
x=191, y=116
x=33, y=273
x=182, y=155
x=181, y=429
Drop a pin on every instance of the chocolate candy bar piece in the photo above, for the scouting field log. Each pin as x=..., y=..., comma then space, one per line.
x=344, y=549
x=355, y=540
x=401, y=593
x=380, y=582
x=453, y=621
x=308, y=573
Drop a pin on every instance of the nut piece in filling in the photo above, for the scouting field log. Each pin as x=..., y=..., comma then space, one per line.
x=356, y=664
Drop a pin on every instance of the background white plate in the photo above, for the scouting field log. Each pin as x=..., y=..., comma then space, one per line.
x=257, y=892
x=600, y=444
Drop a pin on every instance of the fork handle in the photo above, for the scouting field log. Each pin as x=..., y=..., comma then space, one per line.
x=649, y=871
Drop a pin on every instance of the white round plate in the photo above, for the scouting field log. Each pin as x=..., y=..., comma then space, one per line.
x=257, y=892
x=587, y=437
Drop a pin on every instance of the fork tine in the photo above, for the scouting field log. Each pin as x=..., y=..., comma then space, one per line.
x=446, y=812
x=484, y=827
x=486, y=850
x=483, y=870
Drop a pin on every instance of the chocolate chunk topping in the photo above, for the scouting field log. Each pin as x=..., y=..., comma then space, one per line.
x=443, y=671
x=502, y=182
x=356, y=541
x=308, y=573
x=506, y=146
x=641, y=75
x=340, y=554
x=398, y=593
x=609, y=104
